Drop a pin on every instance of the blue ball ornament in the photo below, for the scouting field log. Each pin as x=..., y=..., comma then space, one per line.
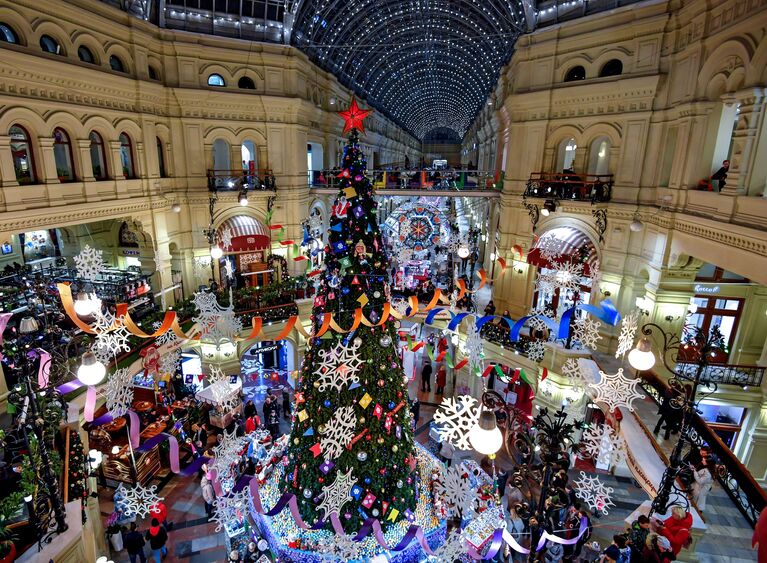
x=391, y=405
x=367, y=480
x=327, y=403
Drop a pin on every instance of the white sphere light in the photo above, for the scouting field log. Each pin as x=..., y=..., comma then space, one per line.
x=463, y=251
x=244, y=200
x=485, y=437
x=636, y=225
x=84, y=306
x=91, y=371
x=176, y=208
x=216, y=252
x=641, y=358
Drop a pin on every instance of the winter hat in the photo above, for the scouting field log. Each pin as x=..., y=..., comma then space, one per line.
x=613, y=552
x=663, y=542
x=154, y=527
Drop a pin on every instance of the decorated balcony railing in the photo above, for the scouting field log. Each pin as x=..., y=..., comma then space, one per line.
x=571, y=186
x=260, y=179
x=436, y=180
x=725, y=374
x=733, y=476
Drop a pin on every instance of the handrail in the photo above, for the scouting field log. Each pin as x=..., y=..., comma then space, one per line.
x=735, y=479
x=447, y=180
x=570, y=186
x=235, y=180
x=724, y=374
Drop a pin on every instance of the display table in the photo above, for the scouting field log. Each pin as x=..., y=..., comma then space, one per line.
x=153, y=430
x=116, y=425
x=213, y=394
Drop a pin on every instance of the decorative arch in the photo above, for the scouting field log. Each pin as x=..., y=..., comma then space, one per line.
x=220, y=133
x=20, y=25
x=43, y=27
x=725, y=60
x=252, y=72
x=31, y=121
x=250, y=134
x=66, y=121
x=757, y=69
x=122, y=53
x=248, y=232
x=94, y=46
x=226, y=74
x=603, y=129
x=578, y=231
x=131, y=128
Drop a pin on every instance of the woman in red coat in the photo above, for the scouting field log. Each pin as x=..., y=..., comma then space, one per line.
x=441, y=379
x=677, y=528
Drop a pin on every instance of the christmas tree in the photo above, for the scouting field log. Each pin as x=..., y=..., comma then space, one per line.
x=351, y=450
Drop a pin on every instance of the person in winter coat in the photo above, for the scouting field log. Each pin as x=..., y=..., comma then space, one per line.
x=658, y=550
x=426, y=377
x=208, y=495
x=134, y=544
x=676, y=528
x=704, y=480
x=252, y=423
x=638, y=533
x=441, y=379
x=157, y=537
x=286, y=403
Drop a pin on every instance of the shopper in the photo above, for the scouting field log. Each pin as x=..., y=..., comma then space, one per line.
x=441, y=379
x=199, y=438
x=250, y=409
x=157, y=537
x=446, y=452
x=286, y=403
x=134, y=544
x=415, y=409
x=252, y=423
x=208, y=495
x=638, y=533
x=704, y=480
x=676, y=528
x=658, y=550
x=426, y=376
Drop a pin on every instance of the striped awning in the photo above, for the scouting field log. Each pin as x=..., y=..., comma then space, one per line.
x=247, y=233
x=571, y=242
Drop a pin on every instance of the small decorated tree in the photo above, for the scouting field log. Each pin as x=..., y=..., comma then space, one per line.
x=351, y=450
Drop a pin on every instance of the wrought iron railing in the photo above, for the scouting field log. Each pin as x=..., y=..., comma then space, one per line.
x=260, y=179
x=437, y=180
x=725, y=374
x=573, y=187
x=733, y=476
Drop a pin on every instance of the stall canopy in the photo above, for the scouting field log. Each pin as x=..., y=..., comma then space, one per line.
x=574, y=246
x=247, y=233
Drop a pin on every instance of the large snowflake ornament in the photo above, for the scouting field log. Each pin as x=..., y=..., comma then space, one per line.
x=226, y=238
x=218, y=325
x=454, y=548
x=89, y=263
x=103, y=321
x=455, y=490
x=338, y=366
x=536, y=322
x=615, y=390
x=456, y=418
x=230, y=508
x=603, y=444
x=119, y=392
x=170, y=361
x=578, y=378
x=586, y=332
x=629, y=325
x=550, y=247
x=593, y=492
x=339, y=431
x=137, y=500
x=102, y=353
x=315, y=224
x=111, y=343
x=475, y=349
x=339, y=547
x=565, y=277
x=536, y=350
x=337, y=494
x=595, y=274
x=168, y=337
x=227, y=454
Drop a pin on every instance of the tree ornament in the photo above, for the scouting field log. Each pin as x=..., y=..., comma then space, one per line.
x=354, y=117
x=455, y=489
x=336, y=495
x=338, y=367
x=339, y=431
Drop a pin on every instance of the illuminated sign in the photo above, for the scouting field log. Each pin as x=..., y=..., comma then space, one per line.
x=710, y=290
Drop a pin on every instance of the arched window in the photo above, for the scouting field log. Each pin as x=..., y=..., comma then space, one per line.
x=161, y=158
x=98, y=156
x=85, y=54
x=575, y=73
x=599, y=156
x=153, y=74
x=566, y=155
x=126, y=156
x=62, y=154
x=21, y=151
x=613, y=67
x=116, y=64
x=50, y=45
x=216, y=80
x=246, y=83
x=7, y=33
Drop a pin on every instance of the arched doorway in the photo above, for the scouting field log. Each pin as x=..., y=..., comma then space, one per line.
x=268, y=365
x=245, y=240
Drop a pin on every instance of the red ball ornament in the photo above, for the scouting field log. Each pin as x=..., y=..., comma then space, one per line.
x=383, y=471
x=381, y=383
x=368, y=437
x=321, y=479
x=399, y=394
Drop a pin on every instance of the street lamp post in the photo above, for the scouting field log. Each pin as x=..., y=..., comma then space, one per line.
x=697, y=347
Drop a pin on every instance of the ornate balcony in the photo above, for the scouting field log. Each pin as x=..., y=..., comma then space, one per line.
x=398, y=182
x=260, y=179
x=725, y=374
x=570, y=187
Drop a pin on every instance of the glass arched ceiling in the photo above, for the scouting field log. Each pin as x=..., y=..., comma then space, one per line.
x=424, y=63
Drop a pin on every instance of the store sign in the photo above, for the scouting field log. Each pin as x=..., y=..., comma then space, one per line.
x=709, y=290
x=131, y=252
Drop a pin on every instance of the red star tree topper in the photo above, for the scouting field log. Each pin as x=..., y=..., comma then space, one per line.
x=354, y=116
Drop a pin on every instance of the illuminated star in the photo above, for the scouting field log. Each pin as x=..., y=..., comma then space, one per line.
x=354, y=116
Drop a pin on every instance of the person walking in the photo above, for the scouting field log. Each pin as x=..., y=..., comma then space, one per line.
x=208, y=495
x=286, y=403
x=415, y=408
x=199, y=438
x=157, y=537
x=667, y=415
x=273, y=420
x=704, y=481
x=441, y=379
x=134, y=544
x=426, y=376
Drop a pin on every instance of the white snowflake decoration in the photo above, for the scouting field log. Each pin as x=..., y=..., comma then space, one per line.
x=566, y=276
x=536, y=350
x=336, y=495
x=218, y=324
x=226, y=238
x=404, y=254
x=89, y=263
x=227, y=454
x=586, y=331
x=454, y=548
x=228, y=268
x=225, y=396
x=339, y=431
x=456, y=490
x=216, y=374
x=629, y=325
x=103, y=321
x=476, y=350
x=615, y=390
x=315, y=224
x=603, y=444
x=572, y=370
x=338, y=548
x=537, y=323
x=170, y=361
x=231, y=508
x=596, y=274
x=550, y=247
x=457, y=242
x=119, y=392
x=456, y=418
x=593, y=492
x=404, y=229
x=201, y=268
x=454, y=301
x=137, y=500
x=102, y=353
x=111, y=343
x=168, y=337
x=338, y=366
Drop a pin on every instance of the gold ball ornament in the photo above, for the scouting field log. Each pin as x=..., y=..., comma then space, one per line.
x=394, y=448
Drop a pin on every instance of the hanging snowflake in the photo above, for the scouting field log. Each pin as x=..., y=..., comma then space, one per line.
x=119, y=392
x=454, y=301
x=596, y=274
x=338, y=366
x=578, y=378
x=475, y=349
x=404, y=254
x=629, y=325
x=550, y=247
x=216, y=374
x=404, y=229
x=456, y=242
x=339, y=431
x=168, y=337
x=228, y=268
x=231, y=508
x=456, y=418
x=225, y=396
x=454, y=548
x=170, y=361
x=103, y=321
x=226, y=238
x=536, y=350
x=102, y=353
x=227, y=454
x=536, y=322
x=218, y=325
x=586, y=331
x=593, y=492
x=339, y=547
x=89, y=263
x=455, y=490
x=615, y=390
x=566, y=277
x=603, y=444
x=137, y=500
x=336, y=495
x=315, y=224
x=114, y=342
x=201, y=268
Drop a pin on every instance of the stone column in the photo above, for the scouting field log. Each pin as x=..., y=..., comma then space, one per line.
x=117, y=163
x=86, y=165
x=7, y=170
x=140, y=168
x=744, y=140
x=47, y=167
